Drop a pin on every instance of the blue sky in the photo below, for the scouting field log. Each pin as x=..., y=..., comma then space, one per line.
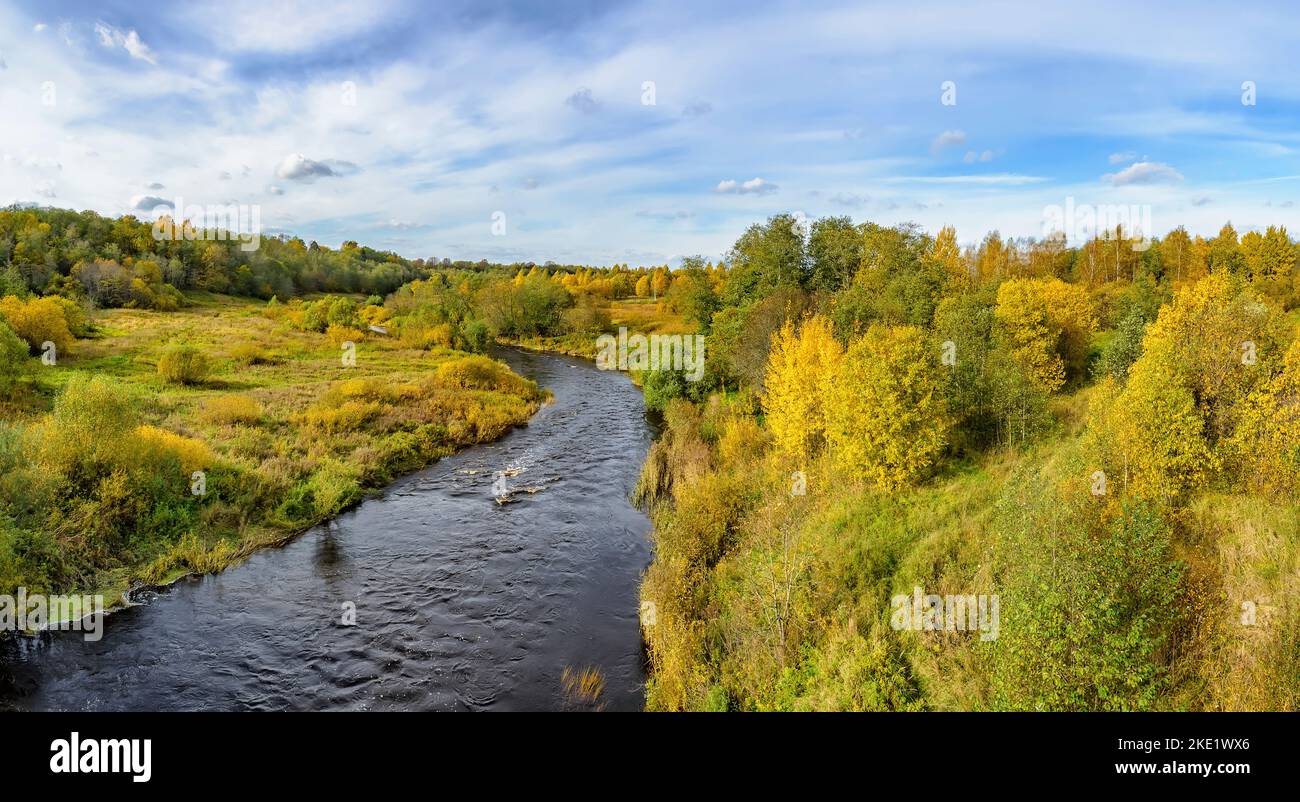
x=407, y=125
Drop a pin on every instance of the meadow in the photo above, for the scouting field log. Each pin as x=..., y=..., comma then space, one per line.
x=167, y=442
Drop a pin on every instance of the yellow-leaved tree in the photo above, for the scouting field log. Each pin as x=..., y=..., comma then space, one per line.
x=1161, y=432
x=1207, y=352
x=885, y=418
x=1046, y=323
x=1266, y=442
x=800, y=362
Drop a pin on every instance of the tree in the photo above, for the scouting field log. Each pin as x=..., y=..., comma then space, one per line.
x=1047, y=324
x=1266, y=442
x=766, y=257
x=835, y=249
x=945, y=254
x=800, y=364
x=1161, y=433
x=885, y=416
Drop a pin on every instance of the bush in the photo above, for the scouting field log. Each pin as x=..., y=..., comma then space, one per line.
x=13, y=359
x=228, y=409
x=252, y=354
x=339, y=334
x=1097, y=604
x=37, y=321
x=184, y=365
x=347, y=416
x=192, y=454
x=483, y=373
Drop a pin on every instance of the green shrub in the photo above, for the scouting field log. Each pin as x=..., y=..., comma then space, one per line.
x=13, y=359
x=184, y=365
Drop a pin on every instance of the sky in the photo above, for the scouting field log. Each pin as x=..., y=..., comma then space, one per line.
x=642, y=132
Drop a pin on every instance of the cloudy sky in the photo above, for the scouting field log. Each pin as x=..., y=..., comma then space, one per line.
x=639, y=132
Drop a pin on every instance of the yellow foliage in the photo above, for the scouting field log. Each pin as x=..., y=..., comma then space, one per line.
x=1047, y=323
x=798, y=366
x=231, y=409
x=193, y=454
x=1220, y=344
x=1160, y=431
x=183, y=365
x=1266, y=441
x=345, y=417
x=344, y=334
x=37, y=321
x=886, y=420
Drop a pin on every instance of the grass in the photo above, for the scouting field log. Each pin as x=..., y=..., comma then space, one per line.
x=288, y=433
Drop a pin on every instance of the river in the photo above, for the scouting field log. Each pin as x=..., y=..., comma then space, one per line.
x=461, y=603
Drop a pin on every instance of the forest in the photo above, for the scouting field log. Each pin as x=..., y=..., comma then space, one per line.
x=1100, y=434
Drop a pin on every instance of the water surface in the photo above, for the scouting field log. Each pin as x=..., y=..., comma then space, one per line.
x=461, y=603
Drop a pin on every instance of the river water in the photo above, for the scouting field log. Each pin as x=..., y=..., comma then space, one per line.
x=461, y=603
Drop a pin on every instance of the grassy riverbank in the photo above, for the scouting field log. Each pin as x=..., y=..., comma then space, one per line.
x=113, y=475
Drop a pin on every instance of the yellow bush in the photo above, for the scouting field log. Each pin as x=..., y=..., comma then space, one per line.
x=183, y=365
x=231, y=409
x=193, y=454
x=344, y=334
x=1047, y=323
x=347, y=416
x=251, y=354
x=483, y=373
x=37, y=321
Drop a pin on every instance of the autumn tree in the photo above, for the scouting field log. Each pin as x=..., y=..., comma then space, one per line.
x=801, y=362
x=885, y=415
x=1047, y=324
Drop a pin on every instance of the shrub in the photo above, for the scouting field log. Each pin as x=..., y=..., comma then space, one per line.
x=37, y=321
x=192, y=454
x=885, y=418
x=483, y=373
x=347, y=416
x=228, y=409
x=798, y=366
x=339, y=334
x=13, y=359
x=183, y=365
x=252, y=354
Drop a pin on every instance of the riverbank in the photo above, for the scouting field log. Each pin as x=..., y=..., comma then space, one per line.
x=136, y=482
x=459, y=603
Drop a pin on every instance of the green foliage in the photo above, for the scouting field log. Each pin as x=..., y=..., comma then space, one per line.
x=13, y=360
x=1091, y=606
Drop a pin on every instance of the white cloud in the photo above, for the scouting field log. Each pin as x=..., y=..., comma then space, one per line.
x=948, y=138
x=1141, y=173
x=971, y=156
x=1120, y=158
x=38, y=27
x=754, y=186
x=129, y=41
x=297, y=167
